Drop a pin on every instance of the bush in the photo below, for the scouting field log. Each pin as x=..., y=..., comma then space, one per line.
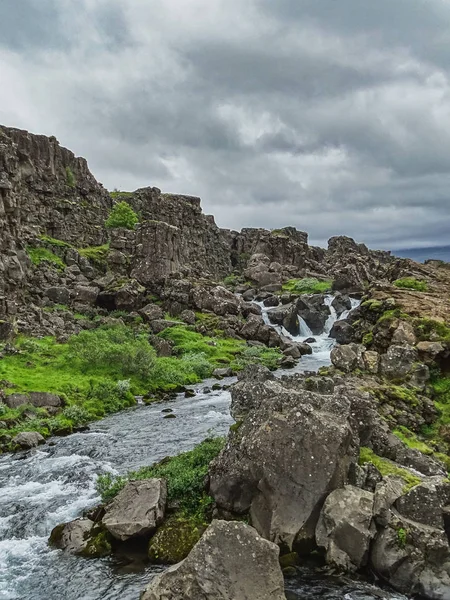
x=410, y=283
x=70, y=177
x=118, y=348
x=122, y=215
x=269, y=357
x=185, y=475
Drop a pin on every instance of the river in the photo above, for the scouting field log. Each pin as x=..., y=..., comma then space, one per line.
x=55, y=483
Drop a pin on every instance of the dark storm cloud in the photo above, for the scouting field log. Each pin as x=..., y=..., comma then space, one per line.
x=330, y=116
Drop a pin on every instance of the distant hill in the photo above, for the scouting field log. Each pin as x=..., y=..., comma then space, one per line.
x=422, y=254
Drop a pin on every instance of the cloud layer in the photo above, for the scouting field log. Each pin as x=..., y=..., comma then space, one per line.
x=330, y=116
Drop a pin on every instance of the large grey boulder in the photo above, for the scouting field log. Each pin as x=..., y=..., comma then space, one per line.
x=230, y=562
x=285, y=315
x=413, y=558
x=424, y=503
x=28, y=439
x=398, y=361
x=344, y=358
x=345, y=527
x=313, y=311
x=342, y=332
x=137, y=510
x=290, y=452
x=38, y=399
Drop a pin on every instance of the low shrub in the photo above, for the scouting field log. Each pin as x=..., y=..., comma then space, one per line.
x=308, y=285
x=122, y=215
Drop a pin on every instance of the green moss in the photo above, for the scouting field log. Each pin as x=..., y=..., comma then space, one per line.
x=175, y=539
x=99, y=543
x=394, y=313
x=236, y=426
x=218, y=351
x=386, y=467
x=402, y=536
x=231, y=280
x=368, y=339
x=96, y=254
x=70, y=178
x=373, y=305
x=410, y=283
x=431, y=329
x=309, y=285
x=411, y=440
x=54, y=242
x=43, y=255
x=185, y=475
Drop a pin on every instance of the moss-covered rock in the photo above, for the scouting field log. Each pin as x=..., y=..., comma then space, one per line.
x=99, y=543
x=175, y=539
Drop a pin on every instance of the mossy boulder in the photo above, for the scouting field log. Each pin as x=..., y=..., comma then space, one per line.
x=99, y=543
x=175, y=539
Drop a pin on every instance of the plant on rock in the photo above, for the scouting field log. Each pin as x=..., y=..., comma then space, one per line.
x=122, y=215
x=411, y=283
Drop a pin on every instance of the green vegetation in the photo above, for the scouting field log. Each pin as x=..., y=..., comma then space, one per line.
x=42, y=255
x=410, y=283
x=309, y=285
x=185, y=475
x=54, y=242
x=231, y=280
x=411, y=440
x=118, y=195
x=122, y=215
x=268, y=357
x=368, y=339
x=70, y=178
x=431, y=329
x=96, y=254
x=386, y=467
x=402, y=535
x=373, y=305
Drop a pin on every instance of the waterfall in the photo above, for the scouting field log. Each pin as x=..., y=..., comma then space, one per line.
x=305, y=331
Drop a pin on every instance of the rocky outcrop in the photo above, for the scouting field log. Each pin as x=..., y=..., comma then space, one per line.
x=230, y=561
x=137, y=510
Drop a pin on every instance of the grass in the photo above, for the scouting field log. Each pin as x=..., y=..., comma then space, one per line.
x=118, y=195
x=411, y=440
x=54, y=242
x=70, y=177
x=386, y=467
x=431, y=329
x=43, y=255
x=410, y=283
x=308, y=285
x=185, y=475
x=96, y=254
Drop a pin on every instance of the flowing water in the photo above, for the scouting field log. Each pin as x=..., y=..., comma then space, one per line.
x=55, y=483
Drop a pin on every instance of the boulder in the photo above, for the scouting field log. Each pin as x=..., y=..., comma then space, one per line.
x=151, y=312
x=221, y=373
x=344, y=358
x=313, y=310
x=86, y=295
x=291, y=450
x=7, y=331
x=188, y=316
x=58, y=295
x=398, y=361
x=285, y=315
x=16, y=400
x=404, y=334
x=425, y=502
x=341, y=303
x=28, y=439
x=345, y=527
x=371, y=362
x=230, y=562
x=342, y=332
x=45, y=400
x=137, y=510
x=72, y=537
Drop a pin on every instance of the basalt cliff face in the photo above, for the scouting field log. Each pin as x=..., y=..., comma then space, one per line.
x=47, y=195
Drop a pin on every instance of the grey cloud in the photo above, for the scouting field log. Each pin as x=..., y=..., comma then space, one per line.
x=329, y=116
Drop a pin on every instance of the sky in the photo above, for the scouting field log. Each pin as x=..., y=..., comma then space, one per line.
x=332, y=116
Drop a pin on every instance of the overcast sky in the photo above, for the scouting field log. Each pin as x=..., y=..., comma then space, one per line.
x=332, y=116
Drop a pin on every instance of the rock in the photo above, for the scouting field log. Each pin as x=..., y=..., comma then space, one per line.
x=386, y=493
x=428, y=351
x=190, y=393
x=44, y=400
x=289, y=453
x=341, y=303
x=58, y=295
x=137, y=510
x=292, y=350
x=287, y=316
x=230, y=562
x=288, y=362
x=398, y=361
x=174, y=540
x=304, y=348
x=86, y=295
x=188, y=316
x=310, y=340
x=404, y=334
x=170, y=416
x=7, y=331
x=272, y=301
x=151, y=312
x=221, y=373
x=413, y=558
x=163, y=347
x=371, y=361
x=344, y=358
x=342, y=332
x=345, y=527
x=424, y=503
x=16, y=400
x=72, y=537
x=313, y=311
x=28, y=439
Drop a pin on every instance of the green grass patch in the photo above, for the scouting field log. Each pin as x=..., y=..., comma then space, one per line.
x=308, y=285
x=185, y=475
x=54, y=242
x=386, y=467
x=118, y=195
x=410, y=283
x=431, y=329
x=96, y=254
x=43, y=255
x=70, y=178
x=411, y=440
x=268, y=357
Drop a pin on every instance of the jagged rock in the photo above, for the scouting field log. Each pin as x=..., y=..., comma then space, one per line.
x=341, y=303
x=404, y=334
x=163, y=347
x=288, y=362
x=229, y=562
x=28, y=439
x=262, y=471
x=38, y=399
x=342, y=332
x=428, y=351
x=86, y=295
x=371, y=361
x=272, y=301
x=313, y=311
x=6, y=331
x=137, y=510
x=386, y=493
x=58, y=295
x=188, y=316
x=220, y=373
x=151, y=312
x=345, y=527
x=398, y=361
